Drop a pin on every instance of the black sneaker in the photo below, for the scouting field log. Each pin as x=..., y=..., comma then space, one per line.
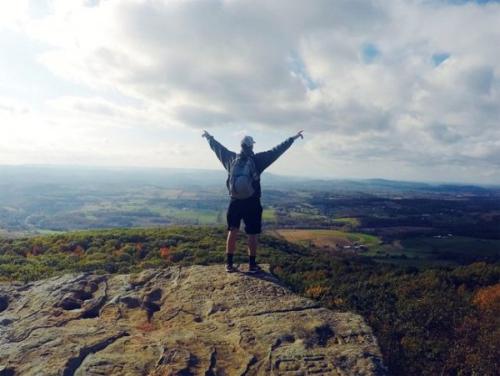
x=254, y=269
x=231, y=268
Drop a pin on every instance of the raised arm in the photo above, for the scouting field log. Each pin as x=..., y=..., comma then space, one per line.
x=224, y=155
x=266, y=158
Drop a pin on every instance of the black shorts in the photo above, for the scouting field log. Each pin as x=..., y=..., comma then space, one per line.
x=250, y=210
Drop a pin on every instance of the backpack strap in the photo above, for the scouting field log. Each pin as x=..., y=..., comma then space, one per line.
x=255, y=174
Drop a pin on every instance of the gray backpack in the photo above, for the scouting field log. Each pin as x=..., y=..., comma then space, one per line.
x=242, y=174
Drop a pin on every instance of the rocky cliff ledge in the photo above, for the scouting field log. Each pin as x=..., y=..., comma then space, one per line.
x=195, y=320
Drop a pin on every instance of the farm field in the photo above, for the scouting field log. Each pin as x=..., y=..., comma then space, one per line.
x=419, y=251
x=269, y=215
x=353, y=222
x=321, y=238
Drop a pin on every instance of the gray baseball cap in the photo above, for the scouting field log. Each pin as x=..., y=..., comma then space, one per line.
x=247, y=141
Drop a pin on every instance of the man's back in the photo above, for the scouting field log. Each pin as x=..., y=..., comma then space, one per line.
x=262, y=160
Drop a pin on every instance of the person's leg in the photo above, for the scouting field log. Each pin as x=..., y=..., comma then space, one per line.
x=252, y=248
x=233, y=224
x=232, y=236
x=253, y=227
x=252, y=244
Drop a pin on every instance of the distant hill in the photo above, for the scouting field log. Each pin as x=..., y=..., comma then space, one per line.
x=39, y=175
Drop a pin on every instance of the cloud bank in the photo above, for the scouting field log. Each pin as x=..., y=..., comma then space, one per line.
x=406, y=83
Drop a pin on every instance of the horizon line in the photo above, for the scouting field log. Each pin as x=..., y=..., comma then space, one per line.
x=299, y=177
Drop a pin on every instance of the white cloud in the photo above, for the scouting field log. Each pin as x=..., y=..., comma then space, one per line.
x=12, y=13
x=289, y=65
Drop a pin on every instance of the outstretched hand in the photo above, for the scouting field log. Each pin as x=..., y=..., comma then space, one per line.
x=299, y=134
x=206, y=134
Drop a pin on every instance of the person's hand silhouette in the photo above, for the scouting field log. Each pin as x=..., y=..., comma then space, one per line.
x=299, y=134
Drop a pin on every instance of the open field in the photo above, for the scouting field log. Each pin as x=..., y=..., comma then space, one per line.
x=269, y=215
x=353, y=222
x=334, y=239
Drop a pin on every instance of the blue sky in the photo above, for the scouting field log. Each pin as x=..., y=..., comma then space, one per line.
x=439, y=58
x=394, y=89
x=369, y=52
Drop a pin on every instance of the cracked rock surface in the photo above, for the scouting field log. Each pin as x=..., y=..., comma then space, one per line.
x=196, y=320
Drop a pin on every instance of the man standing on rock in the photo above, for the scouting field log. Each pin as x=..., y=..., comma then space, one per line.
x=243, y=182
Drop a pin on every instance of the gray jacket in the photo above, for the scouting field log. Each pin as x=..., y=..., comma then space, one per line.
x=262, y=160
